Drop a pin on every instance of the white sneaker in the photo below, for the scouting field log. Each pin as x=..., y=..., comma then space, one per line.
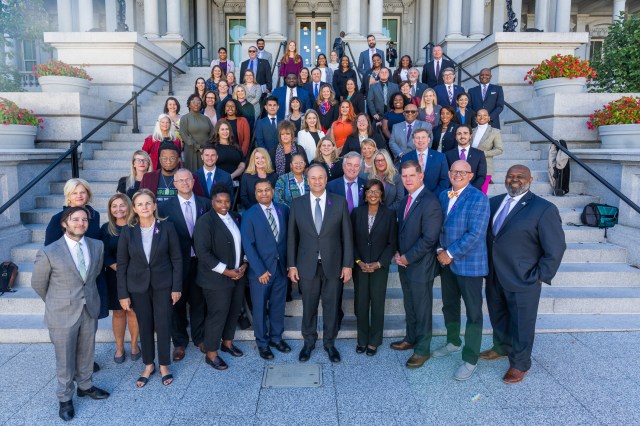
x=465, y=371
x=447, y=349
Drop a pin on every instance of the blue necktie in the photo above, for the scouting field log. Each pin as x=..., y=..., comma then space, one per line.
x=251, y=67
x=315, y=90
x=209, y=181
x=497, y=224
x=273, y=123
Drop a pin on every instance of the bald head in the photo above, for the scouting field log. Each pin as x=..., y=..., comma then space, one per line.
x=460, y=174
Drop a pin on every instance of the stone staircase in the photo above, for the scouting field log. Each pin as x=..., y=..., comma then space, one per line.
x=595, y=288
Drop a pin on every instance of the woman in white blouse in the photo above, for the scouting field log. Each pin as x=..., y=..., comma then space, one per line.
x=311, y=133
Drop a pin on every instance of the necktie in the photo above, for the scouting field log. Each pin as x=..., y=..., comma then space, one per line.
x=349, y=197
x=188, y=216
x=315, y=90
x=497, y=224
x=384, y=92
x=421, y=160
x=82, y=266
x=318, y=216
x=437, y=69
x=484, y=91
x=409, y=129
x=452, y=194
x=462, y=155
x=272, y=223
x=251, y=66
x=450, y=92
x=209, y=181
x=406, y=209
x=273, y=123
x=413, y=90
x=289, y=100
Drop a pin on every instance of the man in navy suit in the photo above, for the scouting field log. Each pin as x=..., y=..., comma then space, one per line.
x=350, y=186
x=473, y=156
x=266, y=131
x=487, y=96
x=525, y=243
x=285, y=93
x=209, y=174
x=264, y=239
x=433, y=163
x=313, y=87
x=432, y=71
x=417, y=88
x=364, y=60
x=463, y=256
x=448, y=92
x=261, y=70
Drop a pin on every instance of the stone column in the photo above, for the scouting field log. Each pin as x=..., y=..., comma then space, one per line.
x=111, y=12
x=85, y=15
x=454, y=18
x=618, y=6
x=274, y=23
x=253, y=18
x=65, y=22
x=151, y=24
x=353, y=18
x=516, y=5
x=375, y=17
x=563, y=16
x=476, y=24
x=173, y=19
x=542, y=11
x=424, y=30
x=203, y=24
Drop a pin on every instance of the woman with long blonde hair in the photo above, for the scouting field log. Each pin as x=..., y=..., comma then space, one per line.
x=140, y=164
x=260, y=167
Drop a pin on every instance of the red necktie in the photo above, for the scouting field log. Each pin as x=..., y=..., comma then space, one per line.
x=406, y=209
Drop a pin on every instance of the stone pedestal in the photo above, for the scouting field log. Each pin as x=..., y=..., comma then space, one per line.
x=174, y=45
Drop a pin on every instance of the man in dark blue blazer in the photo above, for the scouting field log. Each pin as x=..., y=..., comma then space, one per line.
x=260, y=67
x=487, y=96
x=419, y=223
x=473, y=156
x=525, y=243
x=463, y=256
x=434, y=163
x=432, y=71
x=442, y=90
x=266, y=131
x=209, y=174
x=351, y=164
x=264, y=239
x=314, y=86
x=291, y=88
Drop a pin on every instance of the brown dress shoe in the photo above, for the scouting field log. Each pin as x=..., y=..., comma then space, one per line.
x=513, y=376
x=178, y=353
x=416, y=361
x=202, y=349
x=401, y=345
x=491, y=355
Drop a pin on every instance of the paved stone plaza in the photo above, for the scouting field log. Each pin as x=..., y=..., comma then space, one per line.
x=576, y=379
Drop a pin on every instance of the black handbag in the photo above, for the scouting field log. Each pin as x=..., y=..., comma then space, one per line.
x=8, y=275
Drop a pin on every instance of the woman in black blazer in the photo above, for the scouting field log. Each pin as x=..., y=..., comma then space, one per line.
x=221, y=272
x=150, y=279
x=444, y=134
x=374, y=236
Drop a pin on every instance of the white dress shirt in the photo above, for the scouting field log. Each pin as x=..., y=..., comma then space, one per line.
x=453, y=200
x=504, y=202
x=414, y=196
x=288, y=99
x=323, y=203
x=424, y=156
x=274, y=213
x=235, y=232
x=212, y=171
x=480, y=131
x=194, y=215
x=437, y=63
x=72, y=245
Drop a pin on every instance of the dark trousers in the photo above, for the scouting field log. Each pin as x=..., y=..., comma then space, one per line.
x=327, y=289
x=469, y=289
x=370, y=293
x=191, y=294
x=513, y=318
x=418, y=304
x=223, y=309
x=154, y=309
x=270, y=296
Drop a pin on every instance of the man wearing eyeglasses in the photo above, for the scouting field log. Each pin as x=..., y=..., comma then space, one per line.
x=260, y=68
x=401, y=140
x=473, y=156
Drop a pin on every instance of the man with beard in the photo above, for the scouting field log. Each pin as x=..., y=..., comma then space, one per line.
x=525, y=243
x=284, y=94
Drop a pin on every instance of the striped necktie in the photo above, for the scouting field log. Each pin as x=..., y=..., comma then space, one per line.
x=82, y=266
x=272, y=223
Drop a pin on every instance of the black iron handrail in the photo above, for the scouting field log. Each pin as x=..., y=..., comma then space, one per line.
x=557, y=144
x=353, y=59
x=275, y=63
x=73, y=150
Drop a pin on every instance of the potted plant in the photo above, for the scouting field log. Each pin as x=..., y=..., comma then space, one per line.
x=560, y=74
x=57, y=76
x=18, y=126
x=618, y=123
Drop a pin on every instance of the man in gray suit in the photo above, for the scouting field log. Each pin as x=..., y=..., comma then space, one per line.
x=380, y=93
x=263, y=54
x=401, y=140
x=64, y=276
x=320, y=257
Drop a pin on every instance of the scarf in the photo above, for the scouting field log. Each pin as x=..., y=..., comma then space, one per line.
x=281, y=160
x=324, y=108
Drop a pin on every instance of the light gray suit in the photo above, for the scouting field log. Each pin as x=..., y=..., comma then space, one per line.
x=72, y=306
x=398, y=143
x=267, y=57
x=491, y=144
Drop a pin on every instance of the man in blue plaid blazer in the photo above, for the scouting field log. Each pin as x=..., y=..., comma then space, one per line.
x=463, y=255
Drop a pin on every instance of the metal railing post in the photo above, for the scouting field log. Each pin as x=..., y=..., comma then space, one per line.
x=134, y=106
x=75, y=162
x=170, y=79
x=200, y=49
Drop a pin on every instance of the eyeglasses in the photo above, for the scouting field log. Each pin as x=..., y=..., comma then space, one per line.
x=411, y=111
x=139, y=160
x=374, y=192
x=379, y=160
x=298, y=163
x=462, y=173
x=168, y=158
x=187, y=180
x=252, y=51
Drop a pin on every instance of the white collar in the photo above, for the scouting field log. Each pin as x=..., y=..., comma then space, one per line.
x=72, y=243
x=269, y=207
x=182, y=200
x=416, y=192
x=207, y=171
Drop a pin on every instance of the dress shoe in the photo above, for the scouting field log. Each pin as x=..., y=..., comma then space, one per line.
x=243, y=322
x=465, y=371
x=96, y=367
x=334, y=355
x=305, y=353
x=513, y=376
x=491, y=355
x=265, y=353
x=202, y=349
x=66, y=411
x=93, y=393
x=218, y=363
x=446, y=350
x=233, y=350
x=360, y=349
x=281, y=346
x=402, y=345
x=178, y=353
x=371, y=351
x=137, y=355
x=416, y=361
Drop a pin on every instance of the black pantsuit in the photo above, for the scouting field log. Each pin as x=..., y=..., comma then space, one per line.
x=370, y=294
x=223, y=308
x=154, y=313
x=329, y=290
x=191, y=294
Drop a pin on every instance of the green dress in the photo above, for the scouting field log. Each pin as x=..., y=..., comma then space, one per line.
x=196, y=131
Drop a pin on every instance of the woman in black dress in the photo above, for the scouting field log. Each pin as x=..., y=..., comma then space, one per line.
x=327, y=156
x=341, y=75
x=259, y=168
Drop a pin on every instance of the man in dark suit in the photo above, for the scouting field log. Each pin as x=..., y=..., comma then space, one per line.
x=379, y=95
x=320, y=258
x=313, y=87
x=351, y=187
x=338, y=45
x=487, y=96
x=447, y=92
x=417, y=88
x=183, y=211
x=64, y=276
x=260, y=67
x=433, y=163
x=463, y=256
x=473, y=156
x=419, y=223
x=264, y=239
x=266, y=131
x=209, y=174
x=364, y=60
x=525, y=243
x=160, y=181
x=288, y=91
x=432, y=71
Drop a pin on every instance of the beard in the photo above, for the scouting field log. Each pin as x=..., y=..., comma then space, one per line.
x=515, y=192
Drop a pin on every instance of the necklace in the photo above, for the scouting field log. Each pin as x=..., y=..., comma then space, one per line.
x=166, y=185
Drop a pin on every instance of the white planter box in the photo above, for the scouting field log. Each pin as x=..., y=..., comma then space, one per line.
x=56, y=83
x=620, y=136
x=17, y=136
x=560, y=85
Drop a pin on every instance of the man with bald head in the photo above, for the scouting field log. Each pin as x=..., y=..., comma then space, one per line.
x=462, y=253
x=488, y=96
x=525, y=243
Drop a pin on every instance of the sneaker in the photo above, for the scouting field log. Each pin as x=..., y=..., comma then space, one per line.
x=447, y=349
x=465, y=371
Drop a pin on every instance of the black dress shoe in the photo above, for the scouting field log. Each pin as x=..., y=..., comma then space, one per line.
x=96, y=367
x=93, y=393
x=305, y=353
x=218, y=363
x=371, y=352
x=282, y=346
x=233, y=350
x=360, y=349
x=265, y=353
x=66, y=411
x=334, y=355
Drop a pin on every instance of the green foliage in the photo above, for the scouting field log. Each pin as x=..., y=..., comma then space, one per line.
x=618, y=69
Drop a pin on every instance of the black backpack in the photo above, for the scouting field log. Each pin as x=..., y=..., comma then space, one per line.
x=599, y=215
x=8, y=275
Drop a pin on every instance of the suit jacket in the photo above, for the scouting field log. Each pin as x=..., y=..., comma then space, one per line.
x=365, y=81
x=162, y=271
x=529, y=246
x=418, y=235
x=464, y=232
x=263, y=76
x=353, y=143
x=336, y=186
x=379, y=245
x=57, y=281
x=443, y=95
x=436, y=173
x=429, y=72
x=267, y=56
x=358, y=102
x=263, y=252
x=478, y=163
x=393, y=193
x=219, y=176
x=398, y=142
x=364, y=61
x=281, y=94
x=376, y=102
x=334, y=243
x=448, y=140
x=309, y=88
x=150, y=181
x=469, y=118
x=266, y=135
x=493, y=102
x=491, y=145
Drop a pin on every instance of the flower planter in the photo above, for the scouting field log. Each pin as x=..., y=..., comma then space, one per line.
x=17, y=136
x=57, y=83
x=560, y=85
x=620, y=136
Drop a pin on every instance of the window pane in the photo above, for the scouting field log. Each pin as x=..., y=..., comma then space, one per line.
x=321, y=39
x=305, y=45
x=390, y=29
x=237, y=28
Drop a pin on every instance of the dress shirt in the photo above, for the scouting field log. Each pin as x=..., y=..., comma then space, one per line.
x=291, y=92
x=194, y=215
x=354, y=191
x=274, y=213
x=71, y=244
x=466, y=151
x=213, y=172
x=453, y=200
x=437, y=64
x=371, y=53
x=504, y=202
x=414, y=196
x=323, y=203
x=301, y=187
x=323, y=74
x=235, y=232
x=480, y=131
x=424, y=156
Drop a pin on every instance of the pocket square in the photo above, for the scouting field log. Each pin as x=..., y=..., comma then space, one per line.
x=493, y=93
